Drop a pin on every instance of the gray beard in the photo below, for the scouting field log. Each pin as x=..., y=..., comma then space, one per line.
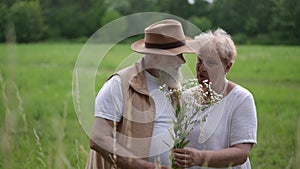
x=172, y=79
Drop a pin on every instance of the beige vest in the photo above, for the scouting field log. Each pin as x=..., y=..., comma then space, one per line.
x=135, y=128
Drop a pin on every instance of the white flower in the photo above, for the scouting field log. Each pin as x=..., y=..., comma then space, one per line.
x=188, y=102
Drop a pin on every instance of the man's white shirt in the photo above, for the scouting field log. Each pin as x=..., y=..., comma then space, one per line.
x=109, y=105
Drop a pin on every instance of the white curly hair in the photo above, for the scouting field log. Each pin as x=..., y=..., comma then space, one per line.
x=220, y=42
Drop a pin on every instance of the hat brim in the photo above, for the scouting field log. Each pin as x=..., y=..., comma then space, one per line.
x=139, y=46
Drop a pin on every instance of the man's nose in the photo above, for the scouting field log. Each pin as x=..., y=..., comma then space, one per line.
x=182, y=60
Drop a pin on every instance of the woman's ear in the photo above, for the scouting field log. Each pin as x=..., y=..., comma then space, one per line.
x=227, y=67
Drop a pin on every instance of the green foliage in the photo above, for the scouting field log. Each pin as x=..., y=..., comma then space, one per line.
x=265, y=22
x=72, y=21
x=109, y=16
x=203, y=23
x=121, y=6
x=94, y=17
x=3, y=21
x=28, y=20
x=285, y=21
x=240, y=38
x=116, y=30
x=251, y=26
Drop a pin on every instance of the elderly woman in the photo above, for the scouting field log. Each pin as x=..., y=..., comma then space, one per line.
x=226, y=138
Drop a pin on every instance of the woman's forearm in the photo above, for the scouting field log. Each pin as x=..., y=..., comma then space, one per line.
x=232, y=156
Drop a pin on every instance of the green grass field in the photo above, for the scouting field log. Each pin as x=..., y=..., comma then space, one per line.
x=39, y=127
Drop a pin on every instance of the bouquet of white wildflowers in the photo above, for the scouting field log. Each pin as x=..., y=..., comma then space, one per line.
x=188, y=101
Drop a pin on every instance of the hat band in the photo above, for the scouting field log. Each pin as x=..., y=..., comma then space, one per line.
x=166, y=45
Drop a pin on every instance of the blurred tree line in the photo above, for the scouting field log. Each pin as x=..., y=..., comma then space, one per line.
x=248, y=21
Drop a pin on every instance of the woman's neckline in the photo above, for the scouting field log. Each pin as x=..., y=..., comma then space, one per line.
x=231, y=86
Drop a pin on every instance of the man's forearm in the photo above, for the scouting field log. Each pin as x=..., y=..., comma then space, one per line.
x=122, y=161
x=102, y=142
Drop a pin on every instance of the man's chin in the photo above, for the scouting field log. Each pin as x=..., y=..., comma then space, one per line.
x=174, y=85
x=171, y=81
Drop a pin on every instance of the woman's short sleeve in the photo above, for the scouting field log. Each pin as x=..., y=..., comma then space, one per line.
x=244, y=122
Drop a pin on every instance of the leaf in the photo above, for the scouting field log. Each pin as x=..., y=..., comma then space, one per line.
x=185, y=143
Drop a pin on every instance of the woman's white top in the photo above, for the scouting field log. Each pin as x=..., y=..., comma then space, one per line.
x=230, y=122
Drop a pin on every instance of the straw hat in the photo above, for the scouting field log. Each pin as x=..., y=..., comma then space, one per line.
x=165, y=37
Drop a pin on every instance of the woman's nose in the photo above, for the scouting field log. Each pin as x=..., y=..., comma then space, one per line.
x=202, y=67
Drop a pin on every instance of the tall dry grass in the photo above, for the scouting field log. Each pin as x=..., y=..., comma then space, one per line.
x=297, y=158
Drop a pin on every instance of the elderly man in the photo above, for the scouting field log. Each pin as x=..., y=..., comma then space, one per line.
x=132, y=117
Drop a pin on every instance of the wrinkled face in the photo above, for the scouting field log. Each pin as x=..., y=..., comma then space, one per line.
x=209, y=66
x=170, y=69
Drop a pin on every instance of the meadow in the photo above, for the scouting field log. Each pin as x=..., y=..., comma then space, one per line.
x=39, y=125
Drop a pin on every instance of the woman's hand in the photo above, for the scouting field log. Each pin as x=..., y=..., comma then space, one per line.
x=232, y=156
x=188, y=157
